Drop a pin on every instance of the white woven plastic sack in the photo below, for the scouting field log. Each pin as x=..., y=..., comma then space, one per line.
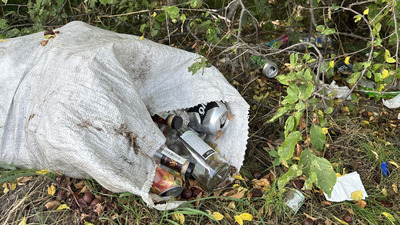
x=81, y=105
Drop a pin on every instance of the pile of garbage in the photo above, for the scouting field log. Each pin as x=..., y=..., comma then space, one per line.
x=84, y=103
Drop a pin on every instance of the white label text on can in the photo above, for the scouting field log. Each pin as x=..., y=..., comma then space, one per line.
x=173, y=156
x=197, y=144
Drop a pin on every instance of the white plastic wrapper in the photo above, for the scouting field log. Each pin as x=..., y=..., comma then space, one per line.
x=81, y=105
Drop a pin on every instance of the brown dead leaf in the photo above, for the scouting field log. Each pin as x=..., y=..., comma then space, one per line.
x=52, y=205
x=240, y=193
x=361, y=203
x=98, y=209
x=262, y=184
x=326, y=203
x=299, y=149
x=44, y=42
x=84, y=189
x=308, y=216
x=79, y=185
x=23, y=180
x=315, y=119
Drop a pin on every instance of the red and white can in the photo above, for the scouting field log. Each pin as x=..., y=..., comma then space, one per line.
x=166, y=184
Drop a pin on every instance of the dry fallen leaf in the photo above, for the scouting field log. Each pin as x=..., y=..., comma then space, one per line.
x=361, y=203
x=179, y=217
x=240, y=193
x=44, y=42
x=262, y=184
x=99, y=209
x=23, y=180
x=51, y=190
x=357, y=195
x=23, y=221
x=218, y=216
x=52, y=205
x=325, y=203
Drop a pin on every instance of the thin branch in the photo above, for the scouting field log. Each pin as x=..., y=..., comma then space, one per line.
x=366, y=68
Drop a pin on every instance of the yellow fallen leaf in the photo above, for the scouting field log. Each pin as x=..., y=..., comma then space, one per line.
x=42, y=172
x=3, y=40
x=87, y=223
x=6, y=190
x=325, y=130
x=384, y=192
x=347, y=60
x=338, y=175
x=141, y=37
x=239, y=220
x=394, y=164
x=51, y=190
x=246, y=216
x=23, y=221
x=365, y=122
x=238, y=177
x=63, y=206
x=13, y=186
x=366, y=11
x=154, y=14
x=340, y=221
x=232, y=205
x=179, y=217
x=332, y=64
x=48, y=36
x=385, y=73
x=357, y=195
x=218, y=216
x=376, y=155
x=390, y=217
x=395, y=189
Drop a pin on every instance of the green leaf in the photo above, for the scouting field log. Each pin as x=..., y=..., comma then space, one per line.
x=307, y=75
x=309, y=90
x=320, y=28
x=283, y=79
x=196, y=3
x=293, y=172
x=335, y=7
x=297, y=115
x=306, y=157
x=300, y=106
x=281, y=111
x=3, y=24
x=357, y=18
x=289, y=125
x=173, y=12
x=390, y=60
x=326, y=176
x=328, y=110
x=353, y=77
x=329, y=31
x=183, y=17
x=317, y=137
x=286, y=150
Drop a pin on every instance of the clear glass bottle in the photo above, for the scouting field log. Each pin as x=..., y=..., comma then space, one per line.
x=210, y=168
x=168, y=158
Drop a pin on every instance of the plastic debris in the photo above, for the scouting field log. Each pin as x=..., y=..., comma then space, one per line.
x=345, y=185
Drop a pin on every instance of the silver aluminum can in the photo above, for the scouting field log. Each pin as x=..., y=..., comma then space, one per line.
x=294, y=199
x=209, y=118
x=270, y=69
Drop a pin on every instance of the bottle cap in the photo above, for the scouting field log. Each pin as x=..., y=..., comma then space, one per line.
x=175, y=122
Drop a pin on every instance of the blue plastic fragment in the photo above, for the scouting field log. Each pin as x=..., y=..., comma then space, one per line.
x=385, y=169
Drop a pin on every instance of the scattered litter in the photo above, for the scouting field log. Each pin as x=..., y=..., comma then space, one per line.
x=385, y=169
x=392, y=103
x=294, y=199
x=339, y=92
x=345, y=185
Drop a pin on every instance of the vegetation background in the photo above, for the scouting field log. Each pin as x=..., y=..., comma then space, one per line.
x=301, y=135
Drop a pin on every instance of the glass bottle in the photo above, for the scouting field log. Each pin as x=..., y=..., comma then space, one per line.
x=210, y=168
x=168, y=158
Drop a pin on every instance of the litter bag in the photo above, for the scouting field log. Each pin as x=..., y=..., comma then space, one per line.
x=81, y=104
